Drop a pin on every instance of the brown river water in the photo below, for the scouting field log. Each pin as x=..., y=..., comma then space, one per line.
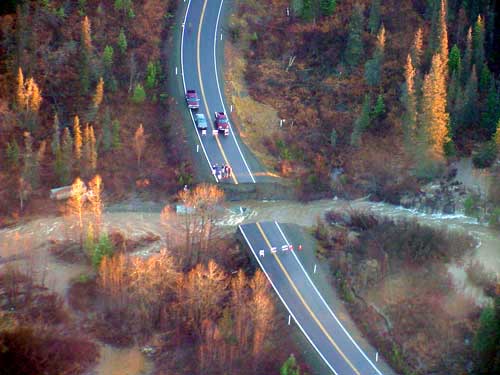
x=141, y=219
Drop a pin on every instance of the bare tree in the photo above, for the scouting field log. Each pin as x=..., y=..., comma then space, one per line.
x=200, y=293
x=139, y=144
x=262, y=312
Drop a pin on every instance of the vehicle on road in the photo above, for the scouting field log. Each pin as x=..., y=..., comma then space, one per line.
x=222, y=122
x=201, y=121
x=192, y=99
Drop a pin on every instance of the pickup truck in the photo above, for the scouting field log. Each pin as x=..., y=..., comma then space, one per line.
x=192, y=100
x=221, y=122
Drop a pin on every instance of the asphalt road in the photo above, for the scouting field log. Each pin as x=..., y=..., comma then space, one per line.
x=200, y=43
x=303, y=301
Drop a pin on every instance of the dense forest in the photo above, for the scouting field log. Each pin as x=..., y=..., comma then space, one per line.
x=389, y=91
x=83, y=92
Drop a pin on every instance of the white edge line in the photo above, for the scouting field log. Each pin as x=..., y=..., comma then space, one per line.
x=284, y=303
x=328, y=307
x=184, y=85
x=220, y=94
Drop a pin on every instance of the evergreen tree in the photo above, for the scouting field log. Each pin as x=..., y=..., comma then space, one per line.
x=307, y=10
x=354, y=49
x=290, y=366
x=470, y=113
x=454, y=62
x=362, y=122
x=467, y=56
x=373, y=67
x=487, y=341
x=297, y=6
x=56, y=135
x=77, y=135
x=491, y=114
x=139, y=95
x=85, y=55
x=106, y=131
x=12, y=154
x=478, y=43
x=378, y=111
x=152, y=75
x=66, y=158
x=122, y=42
x=30, y=172
x=485, y=79
x=327, y=7
x=374, y=18
x=116, y=137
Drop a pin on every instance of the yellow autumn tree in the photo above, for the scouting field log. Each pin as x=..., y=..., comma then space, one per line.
x=434, y=118
x=20, y=92
x=443, y=38
x=262, y=312
x=93, y=150
x=75, y=206
x=99, y=93
x=77, y=138
x=95, y=200
x=417, y=48
x=86, y=39
x=410, y=102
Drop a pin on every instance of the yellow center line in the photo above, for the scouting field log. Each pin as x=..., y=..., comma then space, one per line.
x=233, y=175
x=305, y=303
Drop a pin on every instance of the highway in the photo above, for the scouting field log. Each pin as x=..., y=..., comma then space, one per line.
x=303, y=301
x=199, y=45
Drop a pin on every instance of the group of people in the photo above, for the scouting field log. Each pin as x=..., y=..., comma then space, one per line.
x=221, y=171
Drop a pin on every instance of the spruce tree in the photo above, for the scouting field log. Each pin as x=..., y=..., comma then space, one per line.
x=485, y=79
x=290, y=366
x=85, y=55
x=122, y=42
x=66, y=158
x=354, y=49
x=478, y=43
x=454, y=62
x=374, y=18
x=491, y=113
x=467, y=64
x=471, y=96
x=116, y=137
x=373, y=67
x=12, y=152
x=152, y=75
x=327, y=7
x=30, y=172
x=307, y=10
x=362, y=122
x=106, y=131
x=56, y=135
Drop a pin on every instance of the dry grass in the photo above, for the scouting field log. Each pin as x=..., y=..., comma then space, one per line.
x=253, y=119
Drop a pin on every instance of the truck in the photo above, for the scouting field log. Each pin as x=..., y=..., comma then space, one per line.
x=192, y=100
x=221, y=123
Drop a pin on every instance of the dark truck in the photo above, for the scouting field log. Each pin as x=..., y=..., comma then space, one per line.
x=221, y=122
x=192, y=99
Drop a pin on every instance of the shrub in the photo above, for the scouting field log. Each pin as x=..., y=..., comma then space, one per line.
x=486, y=155
x=471, y=206
x=494, y=218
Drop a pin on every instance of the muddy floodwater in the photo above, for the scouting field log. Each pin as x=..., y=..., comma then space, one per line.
x=30, y=239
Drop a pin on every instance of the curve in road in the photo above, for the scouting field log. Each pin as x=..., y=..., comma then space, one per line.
x=199, y=72
x=304, y=302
